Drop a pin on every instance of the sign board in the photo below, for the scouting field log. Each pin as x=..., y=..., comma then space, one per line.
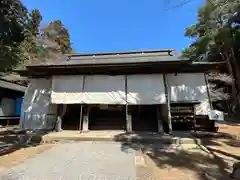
x=216, y=115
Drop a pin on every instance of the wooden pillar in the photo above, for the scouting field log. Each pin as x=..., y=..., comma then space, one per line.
x=128, y=114
x=160, y=125
x=81, y=110
x=167, y=94
x=86, y=120
x=81, y=117
x=208, y=92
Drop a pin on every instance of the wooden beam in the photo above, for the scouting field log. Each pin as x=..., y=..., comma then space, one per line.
x=128, y=116
x=208, y=91
x=81, y=110
x=12, y=86
x=167, y=95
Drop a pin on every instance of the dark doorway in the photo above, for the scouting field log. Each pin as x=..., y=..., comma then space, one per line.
x=144, y=117
x=107, y=117
x=71, y=119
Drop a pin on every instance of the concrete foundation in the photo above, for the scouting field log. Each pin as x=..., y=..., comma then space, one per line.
x=118, y=136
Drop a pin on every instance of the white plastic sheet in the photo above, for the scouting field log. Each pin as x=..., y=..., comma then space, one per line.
x=203, y=108
x=104, y=89
x=36, y=105
x=67, y=89
x=145, y=89
x=216, y=115
x=187, y=87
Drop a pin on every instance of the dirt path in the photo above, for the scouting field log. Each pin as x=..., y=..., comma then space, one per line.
x=212, y=160
x=198, y=163
x=229, y=128
x=13, y=150
x=19, y=156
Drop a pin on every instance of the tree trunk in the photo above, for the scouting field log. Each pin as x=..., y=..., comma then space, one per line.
x=232, y=68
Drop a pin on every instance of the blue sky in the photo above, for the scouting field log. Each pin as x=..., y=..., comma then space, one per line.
x=123, y=25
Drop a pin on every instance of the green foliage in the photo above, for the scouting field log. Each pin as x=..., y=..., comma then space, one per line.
x=34, y=22
x=13, y=18
x=212, y=35
x=56, y=32
x=23, y=41
x=216, y=37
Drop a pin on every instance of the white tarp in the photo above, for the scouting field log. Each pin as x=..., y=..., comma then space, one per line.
x=145, y=89
x=216, y=115
x=187, y=87
x=203, y=108
x=104, y=89
x=36, y=104
x=67, y=89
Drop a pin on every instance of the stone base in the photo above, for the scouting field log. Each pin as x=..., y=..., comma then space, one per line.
x=117, y=136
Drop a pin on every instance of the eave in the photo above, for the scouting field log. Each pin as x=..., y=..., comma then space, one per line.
x=128, y=68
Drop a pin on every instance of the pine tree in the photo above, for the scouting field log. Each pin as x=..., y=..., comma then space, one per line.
x=215, y=39
x=13, y=18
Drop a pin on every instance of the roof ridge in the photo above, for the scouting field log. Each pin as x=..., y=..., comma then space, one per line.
x=116, y=53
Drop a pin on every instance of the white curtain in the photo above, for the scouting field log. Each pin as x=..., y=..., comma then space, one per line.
x=104, y=89
x=145, y=89
x=67, y=89
x=187, y=87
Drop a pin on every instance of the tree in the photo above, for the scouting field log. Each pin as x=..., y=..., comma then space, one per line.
x=215, y=39
x=56, y=32
x=34, y=22
x=46, y=44
x=24, y=42
x=13, y=18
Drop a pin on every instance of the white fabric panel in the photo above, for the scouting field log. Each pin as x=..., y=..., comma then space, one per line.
x=67, y=89
x=145, y=89
x=187, y=87
x=104, y=89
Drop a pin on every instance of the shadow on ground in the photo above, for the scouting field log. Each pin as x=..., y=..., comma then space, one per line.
x=205, y=158
x=11, y=141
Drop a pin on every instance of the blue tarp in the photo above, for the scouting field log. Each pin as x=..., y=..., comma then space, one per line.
x=18, y=104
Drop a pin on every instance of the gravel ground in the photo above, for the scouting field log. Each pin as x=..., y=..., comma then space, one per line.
x=116, y=161
x=77, y=161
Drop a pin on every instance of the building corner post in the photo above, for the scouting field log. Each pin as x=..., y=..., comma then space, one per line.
x=208, y=91
x=128, y=114
x=167, y=95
